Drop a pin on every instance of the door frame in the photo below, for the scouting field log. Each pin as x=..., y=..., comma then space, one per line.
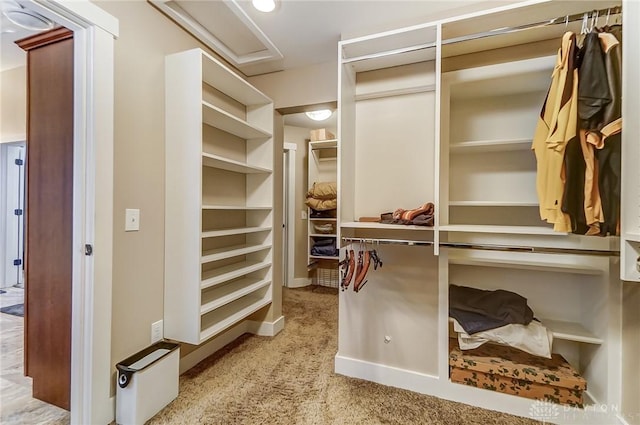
x=289, y=211
x=94, y=31
x=11, y=238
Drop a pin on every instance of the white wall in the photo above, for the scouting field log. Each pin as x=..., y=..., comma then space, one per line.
x=300, y=86
x=13, y=106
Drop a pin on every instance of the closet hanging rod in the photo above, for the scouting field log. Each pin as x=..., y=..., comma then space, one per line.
x=387, y=241
x=498, y=31
x=485, y=247
x=562, y=20
x=531, y=249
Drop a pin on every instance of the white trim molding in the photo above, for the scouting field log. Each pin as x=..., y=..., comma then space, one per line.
x=265, y=328
x=93, y=32
x=248, y=326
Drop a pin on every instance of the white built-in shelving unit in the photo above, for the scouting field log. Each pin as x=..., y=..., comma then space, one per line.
x=432, y=113
x=322, y=167
x=218, y=199
x=630, y=223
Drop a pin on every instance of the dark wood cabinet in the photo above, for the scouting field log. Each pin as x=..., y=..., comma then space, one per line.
x=49, y=214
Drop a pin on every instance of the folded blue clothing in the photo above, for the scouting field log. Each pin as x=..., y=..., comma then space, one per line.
x=325, y=250
x=475, y=322
x=324, y=241
x=479, y=310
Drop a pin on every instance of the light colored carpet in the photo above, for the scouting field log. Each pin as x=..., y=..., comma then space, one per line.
x=289, y=379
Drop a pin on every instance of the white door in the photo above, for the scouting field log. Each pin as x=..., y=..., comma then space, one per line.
x=289, y=200
x=13, y=259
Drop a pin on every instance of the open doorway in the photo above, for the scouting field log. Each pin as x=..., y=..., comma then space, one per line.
x=20, y=376
x=297, y=133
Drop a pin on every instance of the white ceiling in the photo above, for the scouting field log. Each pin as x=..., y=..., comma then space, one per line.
x=306, y=32
x=11, y=56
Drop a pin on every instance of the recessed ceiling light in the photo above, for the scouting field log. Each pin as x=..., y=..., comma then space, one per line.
x=264, y=5
x=320, y=115
x=28, y=20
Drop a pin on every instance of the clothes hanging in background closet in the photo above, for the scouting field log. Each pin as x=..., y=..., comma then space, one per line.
x=577, y=138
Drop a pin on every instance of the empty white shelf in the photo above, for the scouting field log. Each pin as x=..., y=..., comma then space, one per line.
x=526, y=265
x=491, y=145
x=220, y=319
x=215, y=161
x=218, y=75
x=570, y=331
x=632, y=236
x=374, y=225
x=231, y=251
x=233, y=207
x=234, y=231
x=322, y=235
x=323, y=144
x=230, y=272
x=493, y=204
x=218, y=118
x=518, y=230
x=217, y=297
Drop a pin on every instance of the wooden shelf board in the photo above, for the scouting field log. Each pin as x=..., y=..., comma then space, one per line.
x=322, y=235
x=230, y=314
x=518, y=230
x=215, y=161
x=234, y=207
x=493, y=204
x=218, y=118
x=491, y=145
x=323, y=219
x=231, y=251
x=219, y=296
x=233, y=271
x=373, y=225
x=526, y=265
x=234, y=231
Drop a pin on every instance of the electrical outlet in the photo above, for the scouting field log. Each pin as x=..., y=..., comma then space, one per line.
x=156, y=331
x=131, y=220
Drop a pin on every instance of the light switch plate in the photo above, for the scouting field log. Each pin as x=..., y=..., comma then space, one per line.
x=131, y=220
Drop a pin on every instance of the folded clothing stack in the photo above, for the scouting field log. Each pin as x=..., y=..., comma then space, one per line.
x=325, y=228
x=498, y=316
x=421, y=216
x=324, y=247
x=323, y=196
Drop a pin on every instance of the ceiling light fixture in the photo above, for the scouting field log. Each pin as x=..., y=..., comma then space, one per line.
x=264, y=5
x=320, y=115
x=27, y=19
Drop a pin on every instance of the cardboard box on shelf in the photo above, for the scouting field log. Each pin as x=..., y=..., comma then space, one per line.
x=511, y=371
x=321, y=134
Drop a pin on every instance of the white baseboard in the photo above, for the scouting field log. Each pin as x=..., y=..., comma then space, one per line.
x=432, y=385
x=248, y=326
x=201, y=353
x=265, y=328
x=299, y=282
x=385, y=375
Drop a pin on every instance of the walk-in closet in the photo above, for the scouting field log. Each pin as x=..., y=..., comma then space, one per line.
x=448, y=113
